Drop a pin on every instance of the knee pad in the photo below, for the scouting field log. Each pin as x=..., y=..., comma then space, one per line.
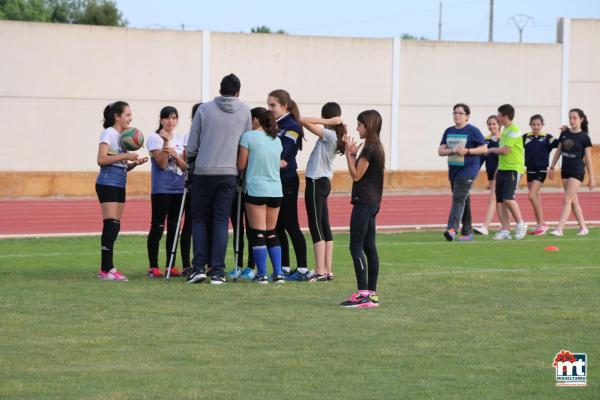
x=110, y=229
x=272, y=239
x=256, y=237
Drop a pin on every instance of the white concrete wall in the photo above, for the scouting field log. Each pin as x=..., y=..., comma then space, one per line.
x=584, y=72
x=437, y=75
x=56, y=79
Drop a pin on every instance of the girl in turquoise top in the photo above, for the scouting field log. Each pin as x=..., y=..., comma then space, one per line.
x=259, y=155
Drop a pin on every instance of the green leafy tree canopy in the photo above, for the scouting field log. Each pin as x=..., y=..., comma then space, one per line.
x=87, y=12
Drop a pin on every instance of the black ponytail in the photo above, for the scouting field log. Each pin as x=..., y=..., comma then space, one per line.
x=331, y=110
x=110, y=110
x=266, y=119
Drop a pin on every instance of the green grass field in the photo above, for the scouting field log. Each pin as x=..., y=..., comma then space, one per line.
x=478, y=320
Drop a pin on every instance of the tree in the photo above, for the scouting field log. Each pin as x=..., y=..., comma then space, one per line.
x=87, y=12
x=411, y=37
x=99, y=12
x=21, y=10
x=266, y=29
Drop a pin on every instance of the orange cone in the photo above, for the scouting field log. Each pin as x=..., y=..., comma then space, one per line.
x=551, y=248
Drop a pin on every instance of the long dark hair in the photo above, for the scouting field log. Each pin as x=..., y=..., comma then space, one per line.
x=266, y=119
x=166, y=112
x=331, y=110
x=372, y=121
x=118, y=107
x=584, y=120
x=283, y=98
x=195, y=108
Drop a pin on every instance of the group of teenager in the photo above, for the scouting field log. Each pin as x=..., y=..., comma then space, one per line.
x=240, y=165
x=507, y=154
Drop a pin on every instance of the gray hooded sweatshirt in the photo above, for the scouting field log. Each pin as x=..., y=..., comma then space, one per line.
x=215, y=135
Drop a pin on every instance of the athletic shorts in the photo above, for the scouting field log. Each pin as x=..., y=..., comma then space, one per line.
x=536, y=176
x=271, y=202
x=506, y=185
x=110, y=194
x=576, y=175
x=490, y=175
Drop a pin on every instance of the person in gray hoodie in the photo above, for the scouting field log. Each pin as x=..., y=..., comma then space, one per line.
x=212, y=154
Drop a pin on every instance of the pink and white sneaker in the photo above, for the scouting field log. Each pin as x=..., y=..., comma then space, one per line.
x=359, y=300
x=540, y=230
x=557, y=232
x=583, y=232
x=112, y=275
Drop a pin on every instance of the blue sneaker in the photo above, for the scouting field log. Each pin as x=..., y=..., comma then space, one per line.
x=466, y=238
x=235, y=273
x=298, y=276
x=247, y=274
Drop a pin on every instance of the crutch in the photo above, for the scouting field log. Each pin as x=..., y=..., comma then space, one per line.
x=240, y=189
x=177, y=231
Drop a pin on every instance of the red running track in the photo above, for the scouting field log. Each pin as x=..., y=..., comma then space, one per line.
x=43, y=217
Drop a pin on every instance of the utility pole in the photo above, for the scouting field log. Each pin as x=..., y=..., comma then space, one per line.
x=491, y=32
x=440, y=23
x=521, y=21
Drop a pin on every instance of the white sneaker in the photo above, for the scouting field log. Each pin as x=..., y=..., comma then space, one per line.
x=557, y=232
x=583, y=232
x=502, y=235
x=481, y=230
x=521, y=231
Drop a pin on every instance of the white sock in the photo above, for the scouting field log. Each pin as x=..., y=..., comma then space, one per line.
x=303, y=270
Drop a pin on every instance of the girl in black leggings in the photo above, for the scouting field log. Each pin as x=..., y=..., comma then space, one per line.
x=291, y=135
x=168, y=164
x=319, y=172
x=366, y=170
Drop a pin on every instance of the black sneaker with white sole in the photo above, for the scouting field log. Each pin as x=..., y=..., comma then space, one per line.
x=196, y=277
x=278, y=279
x=217, y=280
x=316, y=277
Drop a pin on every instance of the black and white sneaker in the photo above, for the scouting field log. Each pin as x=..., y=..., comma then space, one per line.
x=278, y=279
x=316, y=277
x=196, y=277
x=218, y=280
x=262, y=280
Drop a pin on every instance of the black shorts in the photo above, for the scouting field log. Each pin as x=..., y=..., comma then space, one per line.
x=536, y=176
x=490, y=175
x=576, y=175
x=271, y=202
x=506, y=185
x=110, y=194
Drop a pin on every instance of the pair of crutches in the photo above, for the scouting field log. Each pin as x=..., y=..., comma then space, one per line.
x=239, y=188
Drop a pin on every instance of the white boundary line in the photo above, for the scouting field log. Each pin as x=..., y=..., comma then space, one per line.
x=380, y=228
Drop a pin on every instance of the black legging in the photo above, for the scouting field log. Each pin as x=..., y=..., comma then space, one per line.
x=163, y=206
x=288, y=222
x=315, y=199
x=244, y=222
x=186, y=233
